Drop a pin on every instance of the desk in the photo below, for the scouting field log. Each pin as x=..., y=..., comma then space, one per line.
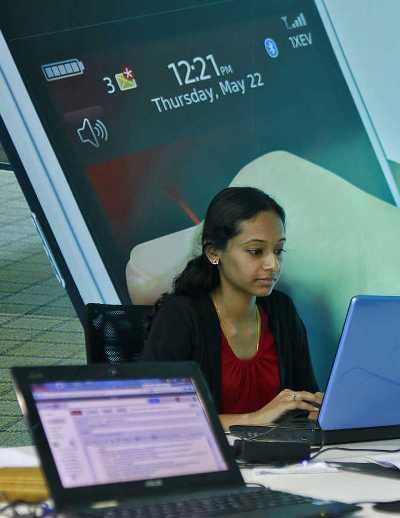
x=339, y=485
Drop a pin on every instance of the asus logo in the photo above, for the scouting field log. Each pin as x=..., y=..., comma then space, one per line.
x=154, y=483
x=104, y=504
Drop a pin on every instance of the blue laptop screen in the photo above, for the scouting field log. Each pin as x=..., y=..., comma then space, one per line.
x=109, y=431
x=364, y=386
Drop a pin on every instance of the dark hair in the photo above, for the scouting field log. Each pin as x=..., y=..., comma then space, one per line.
x=227, y=210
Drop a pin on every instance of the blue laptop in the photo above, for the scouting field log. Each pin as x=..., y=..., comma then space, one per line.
x=362, y=397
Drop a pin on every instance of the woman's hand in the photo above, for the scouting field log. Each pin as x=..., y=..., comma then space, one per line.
x=285, y=401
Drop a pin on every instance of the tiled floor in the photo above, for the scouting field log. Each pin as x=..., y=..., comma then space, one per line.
x=38, y=324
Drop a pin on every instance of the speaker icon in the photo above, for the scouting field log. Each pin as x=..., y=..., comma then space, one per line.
x=93, y=134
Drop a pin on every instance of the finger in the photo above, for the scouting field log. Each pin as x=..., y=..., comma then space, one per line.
x=300, y=405
x=286, y=395
x=313, y=416
x=304, y=405
x=308, y=396
x=292, y=396
x=319, y=396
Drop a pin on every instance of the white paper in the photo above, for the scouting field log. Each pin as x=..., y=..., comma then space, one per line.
x=294, y=469
x=20, y=457
x=387, y=460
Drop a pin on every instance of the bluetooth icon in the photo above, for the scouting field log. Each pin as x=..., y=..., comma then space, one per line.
x=271, y=48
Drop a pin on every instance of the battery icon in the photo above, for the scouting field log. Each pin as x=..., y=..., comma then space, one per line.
x=63, y=69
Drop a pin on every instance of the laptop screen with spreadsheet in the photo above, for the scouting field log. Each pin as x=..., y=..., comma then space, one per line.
x=108, y=431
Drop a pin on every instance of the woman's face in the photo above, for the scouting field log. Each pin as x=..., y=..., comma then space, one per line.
x=252, y=260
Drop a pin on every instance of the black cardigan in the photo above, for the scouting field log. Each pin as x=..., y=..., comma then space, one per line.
x=187, y=328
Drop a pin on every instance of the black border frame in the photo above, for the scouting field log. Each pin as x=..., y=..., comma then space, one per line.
x=68, y=498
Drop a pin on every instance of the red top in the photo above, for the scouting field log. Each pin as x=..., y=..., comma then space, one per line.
x=249, y=384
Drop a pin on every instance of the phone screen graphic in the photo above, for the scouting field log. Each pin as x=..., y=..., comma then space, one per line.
x=151, y=111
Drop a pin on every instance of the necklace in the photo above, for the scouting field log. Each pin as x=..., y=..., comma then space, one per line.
x=258, y=324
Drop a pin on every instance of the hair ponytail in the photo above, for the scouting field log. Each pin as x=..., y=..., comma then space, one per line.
x=197, y=279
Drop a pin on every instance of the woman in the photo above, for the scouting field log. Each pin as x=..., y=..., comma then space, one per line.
x=225, y=314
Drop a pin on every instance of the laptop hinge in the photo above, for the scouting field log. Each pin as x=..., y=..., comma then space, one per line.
x=104, y=504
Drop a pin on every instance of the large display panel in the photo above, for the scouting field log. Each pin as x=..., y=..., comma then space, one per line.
x=127, y=119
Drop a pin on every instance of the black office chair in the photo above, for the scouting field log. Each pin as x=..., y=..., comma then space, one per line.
x=114, y=333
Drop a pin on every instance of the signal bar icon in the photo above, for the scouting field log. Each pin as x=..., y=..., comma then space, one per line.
x=63, y=69
x=299, y=21
x=93, y=134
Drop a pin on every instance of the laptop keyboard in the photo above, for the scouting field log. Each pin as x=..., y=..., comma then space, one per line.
x=209, y=506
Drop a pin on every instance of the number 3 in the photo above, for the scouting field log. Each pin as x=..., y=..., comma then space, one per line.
x=110, y=85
